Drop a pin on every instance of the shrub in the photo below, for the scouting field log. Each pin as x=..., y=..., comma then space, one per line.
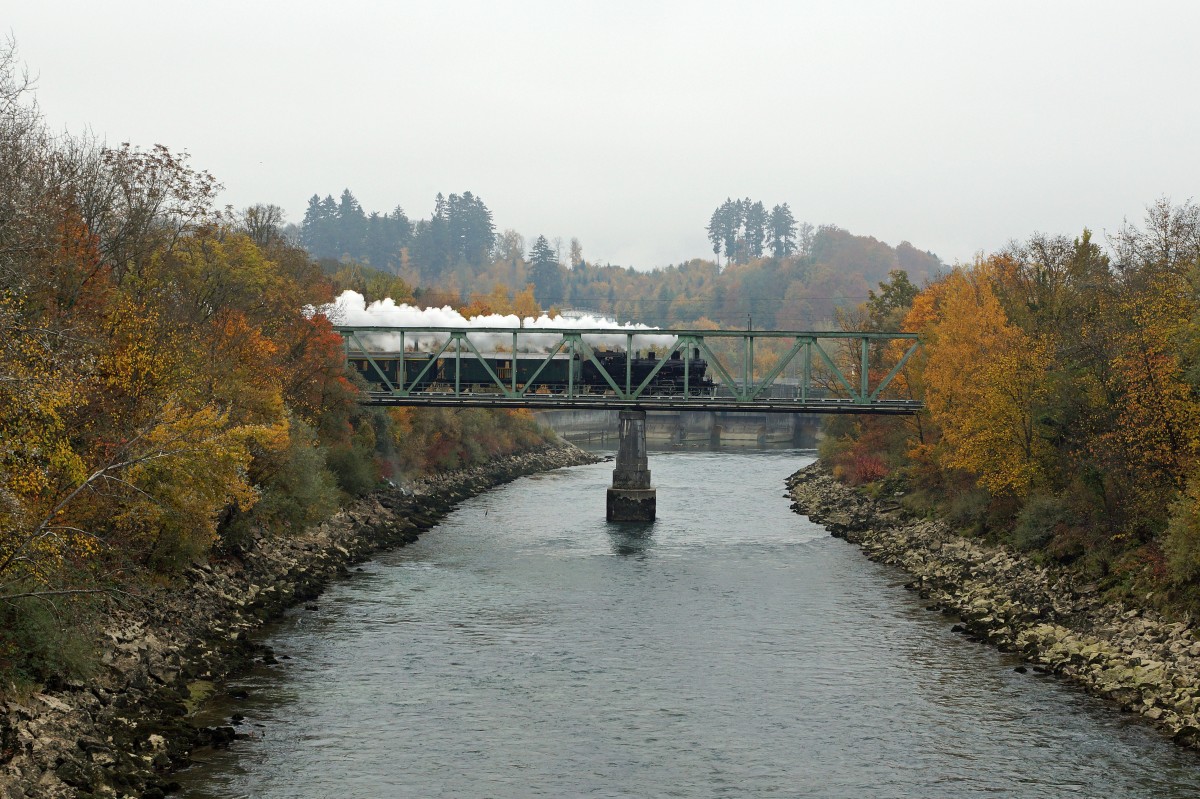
x=354, y=470
x=967, y=509
x=1181, y=544
x=41, y=641
x=866, y=468
x=353, y=460
x=297, y=489
x=1140, y=569
x=1037, y=522
x=1071, y=543
x=831, y=449
x=177, y=545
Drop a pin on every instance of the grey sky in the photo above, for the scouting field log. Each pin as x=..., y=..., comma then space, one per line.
x=954, y=125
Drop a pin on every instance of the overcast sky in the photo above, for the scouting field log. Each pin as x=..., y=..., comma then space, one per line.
x=954, y=125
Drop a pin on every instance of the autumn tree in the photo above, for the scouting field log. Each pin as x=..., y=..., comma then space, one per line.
x=525, y=305
x=984, y=387
x=886, y=309
x=1155, y=334
x=169, y=381
x=143, y=202
x=263, y=223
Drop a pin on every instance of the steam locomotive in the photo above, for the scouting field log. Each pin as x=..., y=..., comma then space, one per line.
x=423, y=372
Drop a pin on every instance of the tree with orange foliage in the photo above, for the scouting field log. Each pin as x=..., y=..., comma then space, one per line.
x=1158, y=416
x=984, y=386
x=524, y=305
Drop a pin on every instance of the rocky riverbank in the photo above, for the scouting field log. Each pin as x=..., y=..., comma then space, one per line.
x=124, y=732
x=1133, y=656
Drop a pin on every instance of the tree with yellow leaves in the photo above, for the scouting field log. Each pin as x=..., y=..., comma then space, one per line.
x=524, y=305
x=984, y=384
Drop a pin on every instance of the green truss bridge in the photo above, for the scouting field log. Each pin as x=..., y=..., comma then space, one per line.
x=644, y=370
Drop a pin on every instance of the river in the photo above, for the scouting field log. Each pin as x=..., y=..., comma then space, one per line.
x=524, y=648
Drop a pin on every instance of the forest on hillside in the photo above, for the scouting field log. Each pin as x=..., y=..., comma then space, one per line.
x=1062, y=385
x=165, y=396
x=777, y=273
x=167, y=391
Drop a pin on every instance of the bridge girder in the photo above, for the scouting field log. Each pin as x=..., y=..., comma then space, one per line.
x=855, y=378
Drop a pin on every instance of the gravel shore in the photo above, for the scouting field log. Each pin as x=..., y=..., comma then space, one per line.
x=1132, y=656
x=125, y=731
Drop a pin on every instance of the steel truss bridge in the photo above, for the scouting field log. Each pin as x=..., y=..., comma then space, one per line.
x=830, y=372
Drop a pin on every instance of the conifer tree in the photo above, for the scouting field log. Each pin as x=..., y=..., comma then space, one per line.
x=546, y=273
x=781, y=231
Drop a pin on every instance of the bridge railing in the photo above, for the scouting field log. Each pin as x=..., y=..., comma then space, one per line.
x=476, y=366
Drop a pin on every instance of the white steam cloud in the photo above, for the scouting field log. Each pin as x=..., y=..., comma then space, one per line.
x=351, y=309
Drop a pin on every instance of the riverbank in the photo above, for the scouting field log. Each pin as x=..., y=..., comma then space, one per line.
x=123, y=732
x=1133, y=656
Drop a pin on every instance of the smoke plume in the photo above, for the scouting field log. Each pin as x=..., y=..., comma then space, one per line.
x=351, y=309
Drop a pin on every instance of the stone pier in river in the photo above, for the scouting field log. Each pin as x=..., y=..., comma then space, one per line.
x=631, y=499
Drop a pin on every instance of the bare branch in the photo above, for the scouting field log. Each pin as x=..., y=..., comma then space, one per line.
x=64, y=592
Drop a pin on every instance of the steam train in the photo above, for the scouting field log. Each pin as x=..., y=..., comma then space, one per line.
x=423, y=372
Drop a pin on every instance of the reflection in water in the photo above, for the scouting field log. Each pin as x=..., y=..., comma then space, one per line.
x=631, y=538
x=729, y=649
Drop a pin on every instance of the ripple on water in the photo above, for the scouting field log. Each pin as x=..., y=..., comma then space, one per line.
x=524, y=648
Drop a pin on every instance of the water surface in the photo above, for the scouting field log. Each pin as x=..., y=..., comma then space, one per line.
x=524, y=648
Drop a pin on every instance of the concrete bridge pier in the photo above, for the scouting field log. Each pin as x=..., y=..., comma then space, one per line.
x=631, y=499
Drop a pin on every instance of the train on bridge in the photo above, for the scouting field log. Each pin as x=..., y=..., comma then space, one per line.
x=588, y=368
x=418, y=371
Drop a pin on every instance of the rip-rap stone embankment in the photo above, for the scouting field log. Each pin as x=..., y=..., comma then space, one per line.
x=1133, y=656
x=124, y=731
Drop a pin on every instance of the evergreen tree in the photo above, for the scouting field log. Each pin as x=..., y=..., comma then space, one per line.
x=351, y=226
x=724, y=226
x=340, y=229
x=377, y=241
x=715, y=232
x=545, y=272
x=460, y=232
x=472, y=233
x=431, y=242
x=327, y=235
x=782, y=231
x=311, y=229
x=755, y=220
x=731, y=223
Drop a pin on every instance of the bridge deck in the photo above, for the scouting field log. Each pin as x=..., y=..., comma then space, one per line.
x=664, y=403
x=832, y=372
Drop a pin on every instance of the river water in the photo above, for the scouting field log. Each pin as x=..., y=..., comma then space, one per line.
x=524, y=648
